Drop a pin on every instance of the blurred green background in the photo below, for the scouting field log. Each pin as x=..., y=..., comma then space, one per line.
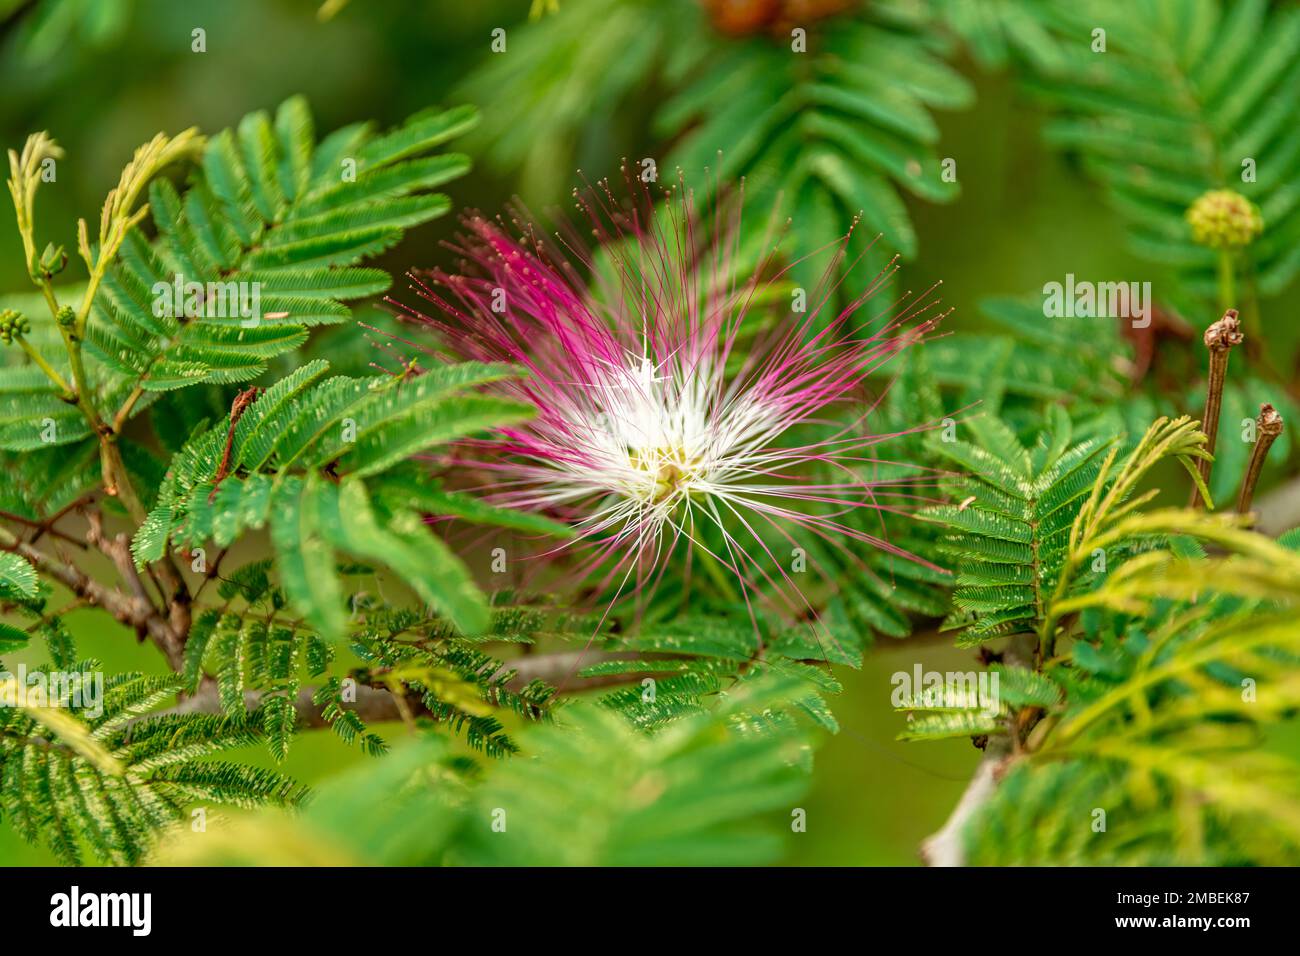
x=119, y=71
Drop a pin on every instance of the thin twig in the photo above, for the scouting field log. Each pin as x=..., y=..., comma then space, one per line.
x=211, y=574
x=49, y=523
x=125, y=608
x=1267, y=427
x=237, y=409
x=378, y=704
x=41, y=527
x=171, y=638
x=1219, y=339
x=45, y=618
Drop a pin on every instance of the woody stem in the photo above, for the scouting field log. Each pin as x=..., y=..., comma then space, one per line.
x=1219, y=339
x=1267, y=427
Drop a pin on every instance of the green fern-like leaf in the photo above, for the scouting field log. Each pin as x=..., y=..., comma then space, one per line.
x=835, y=130
x=1174, y=113
x=270, y=207
x=998, y=31
x=1012, y=524
x=262, y=243
x=297, y=459
x=693, y=793
x=112, y=781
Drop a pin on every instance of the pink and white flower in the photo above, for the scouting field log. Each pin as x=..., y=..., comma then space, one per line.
x=667, y=398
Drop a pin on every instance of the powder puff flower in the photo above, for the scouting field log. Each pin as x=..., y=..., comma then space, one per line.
x=676, y=409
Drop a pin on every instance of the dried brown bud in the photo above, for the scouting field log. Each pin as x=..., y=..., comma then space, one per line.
x=1270, y=421
x=1225, y=333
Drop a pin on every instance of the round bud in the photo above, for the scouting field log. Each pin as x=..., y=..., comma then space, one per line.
x=12, y=325
x=1223, y=219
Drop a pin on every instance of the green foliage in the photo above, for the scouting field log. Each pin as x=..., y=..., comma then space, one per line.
x=832, y=132
x=999, y=31
x=448, y=679
x=1139, y=743
x=255, y=650
x=17, y=577
x=42, y=35
x=1025, y=365
x=1165, y=710
x=394, y=811
x=1011, y=527
x=320, y=464
x=1045, y=816
x=548, y=71
x=272, y=207
x=682, y=666
x=1167, y=114
x=1030, y=520
x=298, y=460
x=1141, y=654
x=835, y=130
x=1025, y=359
x=687, y=796
x=93, y=776
x=948, y=724
x=268, y=208
x=1022, y=687
x=714, y=788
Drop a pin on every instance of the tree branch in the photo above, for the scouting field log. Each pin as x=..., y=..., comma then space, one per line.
x=373, y=704
x=1219, y=340
x=560, y=669
x=1268, y=427
x=129, y=609
x=944, y=847
x=41, y=527
x=377, y=704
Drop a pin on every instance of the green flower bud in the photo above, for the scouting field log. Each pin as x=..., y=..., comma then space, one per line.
x=53, y=261
x=66, y=317
x=1223, y=219
x=12, y=325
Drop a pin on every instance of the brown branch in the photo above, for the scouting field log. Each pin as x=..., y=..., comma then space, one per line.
x=118, y=549
x=214, y=570
x=237, y=409
x=42, y=527
x=49, y=523
x=945, y=846
x=129, y=609
x=1219, y=339
x=561, y=669
x=1267, y=427
x=378, y=705
x=373, y=704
